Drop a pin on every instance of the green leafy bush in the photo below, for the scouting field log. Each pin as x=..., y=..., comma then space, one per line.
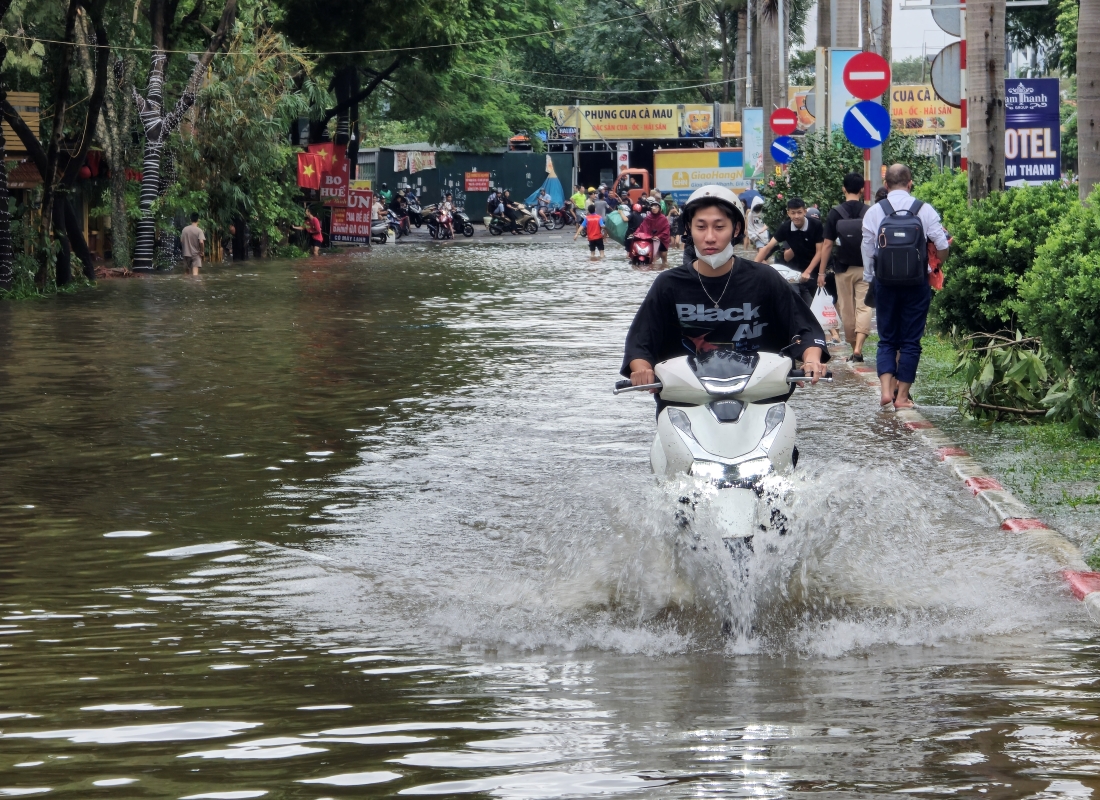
x=948, y=193
x=1016, y=377
x=995, y=240
x=817, y=172
x=1059, y=299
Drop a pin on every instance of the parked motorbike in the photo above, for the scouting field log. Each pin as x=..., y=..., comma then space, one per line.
x=732, y=430
x=398, y=224
x=642, y=248
x=525, y=219
x=380, y=231
x=416, y=213
x=563, y=216
x=462, y=223
x=436, y=229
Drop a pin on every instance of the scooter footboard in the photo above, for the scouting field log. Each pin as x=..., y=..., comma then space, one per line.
x=734, y=512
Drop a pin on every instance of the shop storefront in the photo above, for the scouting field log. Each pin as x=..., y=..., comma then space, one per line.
x=604, y=139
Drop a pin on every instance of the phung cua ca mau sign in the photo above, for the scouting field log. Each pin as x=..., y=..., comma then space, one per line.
x=1032, y=136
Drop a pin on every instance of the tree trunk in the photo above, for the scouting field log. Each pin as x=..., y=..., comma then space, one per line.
x=847, y=24
x=741, y=53
x=1088, y=96
x=985, y=82
x=757, y=80
x=773, y=83
x=7, y=257
x=824, y=23
x=159, y=125
x=113, y=133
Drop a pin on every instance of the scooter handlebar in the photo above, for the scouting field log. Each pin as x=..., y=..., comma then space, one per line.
x=624, y=386
x=799, y=375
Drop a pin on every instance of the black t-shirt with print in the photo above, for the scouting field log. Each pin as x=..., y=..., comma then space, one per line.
x=757, y=311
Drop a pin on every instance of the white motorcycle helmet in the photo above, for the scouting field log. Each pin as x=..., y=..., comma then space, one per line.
x=713, y=195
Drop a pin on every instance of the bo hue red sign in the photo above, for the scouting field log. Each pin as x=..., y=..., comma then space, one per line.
x=351, y=223
x=477, y=181
x=334, y=183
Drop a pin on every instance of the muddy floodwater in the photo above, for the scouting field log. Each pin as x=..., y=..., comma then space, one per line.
x=374, y=525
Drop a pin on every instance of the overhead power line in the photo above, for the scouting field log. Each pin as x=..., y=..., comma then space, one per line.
x=413, y=48
x=589, y=91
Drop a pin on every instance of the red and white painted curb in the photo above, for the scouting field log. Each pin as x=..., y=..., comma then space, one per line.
x=1013, y=516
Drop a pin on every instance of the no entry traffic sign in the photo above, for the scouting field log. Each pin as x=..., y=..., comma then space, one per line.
x=783, y=149
x=783, y=121
x=867, y=75
x=867, y=124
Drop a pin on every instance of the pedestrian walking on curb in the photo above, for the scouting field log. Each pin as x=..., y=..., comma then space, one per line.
x=896, y=233
x=803, y=237
x=193, y=245
x=843, y=245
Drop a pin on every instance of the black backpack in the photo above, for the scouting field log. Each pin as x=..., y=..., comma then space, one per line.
x=902, y=247
x=849, y=230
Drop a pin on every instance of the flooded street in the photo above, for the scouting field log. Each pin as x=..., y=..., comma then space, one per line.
x=374, y=524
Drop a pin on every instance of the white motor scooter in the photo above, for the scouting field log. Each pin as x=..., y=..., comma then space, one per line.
x=728, y=424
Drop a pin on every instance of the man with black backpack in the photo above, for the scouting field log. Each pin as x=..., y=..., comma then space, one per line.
x=896, y=233
x=844, y=242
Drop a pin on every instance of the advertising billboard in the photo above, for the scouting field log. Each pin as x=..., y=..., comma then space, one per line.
x=752, y=141
x=1032, y=131
x=683, y=171
x=917, y=111
x=351, y=224
x=840, y=99
x=650, y=121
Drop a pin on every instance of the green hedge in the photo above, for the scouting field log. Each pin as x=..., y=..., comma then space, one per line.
x=1059, y=298
x=995, y=244
x=817, y=172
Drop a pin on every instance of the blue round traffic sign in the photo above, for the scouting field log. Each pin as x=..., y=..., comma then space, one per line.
x=783, y=149
x=867, y=124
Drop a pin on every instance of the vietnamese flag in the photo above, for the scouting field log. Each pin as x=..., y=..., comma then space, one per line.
x=326, y=151
x=309, y=171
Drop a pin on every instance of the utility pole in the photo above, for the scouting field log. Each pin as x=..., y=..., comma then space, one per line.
x=985, y=82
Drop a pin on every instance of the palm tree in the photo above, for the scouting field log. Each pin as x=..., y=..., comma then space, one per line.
x=985, y=85
x=773, y=68
x=1088, y=96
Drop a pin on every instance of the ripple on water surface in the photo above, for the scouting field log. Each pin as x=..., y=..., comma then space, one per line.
x=463, y=579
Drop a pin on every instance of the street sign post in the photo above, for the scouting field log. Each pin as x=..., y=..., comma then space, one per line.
x=867, y=76
x=947, y=74
x=783, y=121
x=867, y=124
x=784, y=149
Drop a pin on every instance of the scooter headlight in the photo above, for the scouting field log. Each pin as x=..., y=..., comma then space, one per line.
x=774, y=418
x=680, y=420
x=757, y=468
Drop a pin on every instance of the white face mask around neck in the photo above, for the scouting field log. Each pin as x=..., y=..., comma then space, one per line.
x=719, y=258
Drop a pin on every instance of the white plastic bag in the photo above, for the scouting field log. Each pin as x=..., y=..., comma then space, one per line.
x=825, y=311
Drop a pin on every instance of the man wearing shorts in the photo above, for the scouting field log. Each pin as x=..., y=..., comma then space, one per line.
x=656, y=225
x=592, y=225
x=193, y=244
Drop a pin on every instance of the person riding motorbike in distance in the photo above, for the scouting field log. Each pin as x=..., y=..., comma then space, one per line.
x=634, y=221
x=716, y=299
x=656, y=225
x=542, y=205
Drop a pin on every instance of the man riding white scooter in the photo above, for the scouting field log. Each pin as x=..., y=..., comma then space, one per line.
x=720, y=300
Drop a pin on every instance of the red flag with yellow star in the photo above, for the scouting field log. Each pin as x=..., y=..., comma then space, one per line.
x=309, y=171
x=326, y=151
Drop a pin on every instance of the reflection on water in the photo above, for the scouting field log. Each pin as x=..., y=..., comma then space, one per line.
x=374, y=525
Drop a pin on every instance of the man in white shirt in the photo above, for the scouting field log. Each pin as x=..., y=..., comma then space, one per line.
x=902, y=310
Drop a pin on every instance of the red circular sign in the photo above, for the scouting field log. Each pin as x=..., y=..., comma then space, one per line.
x=783, y=121
x=867, y=75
